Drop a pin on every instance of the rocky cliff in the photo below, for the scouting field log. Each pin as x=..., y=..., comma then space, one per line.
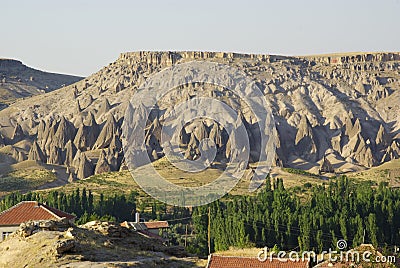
x=343, y=109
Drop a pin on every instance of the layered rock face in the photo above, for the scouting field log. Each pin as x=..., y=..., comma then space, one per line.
x=342, y=107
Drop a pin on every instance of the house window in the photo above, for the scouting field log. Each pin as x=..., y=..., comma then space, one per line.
x=5, y=235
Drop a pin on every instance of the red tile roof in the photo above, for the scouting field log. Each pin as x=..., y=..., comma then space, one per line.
x=334, y=265
x=31, y=210
x=151, y=235
x=216, y=261
x=156, y=224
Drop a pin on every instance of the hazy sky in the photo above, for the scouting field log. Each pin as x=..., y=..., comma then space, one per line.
x=79, y=37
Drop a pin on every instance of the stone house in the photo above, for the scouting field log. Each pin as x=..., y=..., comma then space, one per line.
x=155, y=229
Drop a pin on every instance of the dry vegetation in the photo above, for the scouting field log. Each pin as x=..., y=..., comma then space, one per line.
x=28, y=176
x=93, y=248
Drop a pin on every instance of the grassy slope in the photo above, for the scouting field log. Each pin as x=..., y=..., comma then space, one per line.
x=29, y=176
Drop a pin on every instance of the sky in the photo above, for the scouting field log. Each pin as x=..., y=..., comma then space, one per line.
x=80, y=37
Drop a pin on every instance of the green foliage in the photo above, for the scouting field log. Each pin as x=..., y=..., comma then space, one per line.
x=300, y=172
x=118, y=207
x=339, y=210
x=307, y=185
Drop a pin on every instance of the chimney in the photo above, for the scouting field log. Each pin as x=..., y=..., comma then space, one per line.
x=137, y=217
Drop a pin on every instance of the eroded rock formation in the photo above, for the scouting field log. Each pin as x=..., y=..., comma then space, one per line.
x=346, y=104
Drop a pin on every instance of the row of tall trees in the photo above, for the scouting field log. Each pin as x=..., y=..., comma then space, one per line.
x=275, y=217
x=115, y=207
x=81, y=203
x=341, y=210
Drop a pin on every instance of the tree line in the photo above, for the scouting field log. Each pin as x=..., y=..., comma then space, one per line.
x=357, y=212
x=275, y=217
x=81, y=203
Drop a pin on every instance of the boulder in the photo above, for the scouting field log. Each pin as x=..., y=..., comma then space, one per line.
x=64, y=246
x=326, y=166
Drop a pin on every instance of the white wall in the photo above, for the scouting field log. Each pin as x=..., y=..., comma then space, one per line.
x=7, y=229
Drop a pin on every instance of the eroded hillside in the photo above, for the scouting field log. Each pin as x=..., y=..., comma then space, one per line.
x=341, y=109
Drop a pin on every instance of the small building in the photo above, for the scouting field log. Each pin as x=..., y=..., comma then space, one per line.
x=154, y=229
x=218, y=261
x=25, y=211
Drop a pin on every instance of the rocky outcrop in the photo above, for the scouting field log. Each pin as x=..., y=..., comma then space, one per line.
x=31, y=227
x=85, y=168
x=360, y=150
x=17, y=154
x=64, y=246
x=18, y=134
x=105, y=107
x=71, y=177
x=87, y=134
x=352, y=129
x=326, y=166
x=116, y=144
x=55, y=156
x=184, y=137
x=70, y=151
x=200, y=131
x=107, y=133
x=106, y=228
x=392, y=152
x=2, y=142
x=36, y=153
x=216, y=135
x=49, y=134
x=305, y=142
x=65, y=132
x=77, y=159
x=102, y=165
x=382, y=137
x=348, y=104
x=113, y=160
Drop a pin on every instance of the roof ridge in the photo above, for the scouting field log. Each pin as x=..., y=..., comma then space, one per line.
x=49, y=209
x=16, y=205
x=31, y=210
